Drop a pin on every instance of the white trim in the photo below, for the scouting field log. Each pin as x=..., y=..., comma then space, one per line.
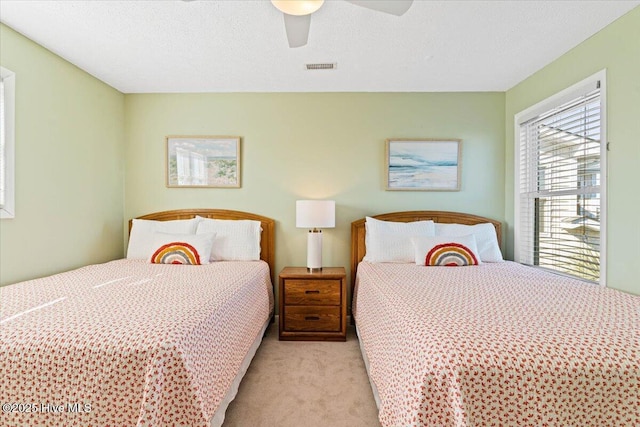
x=560, y=98
x=604, y=172
x=9, y=80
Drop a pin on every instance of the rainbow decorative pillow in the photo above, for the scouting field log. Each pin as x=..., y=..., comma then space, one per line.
x=185, y=249
x=442, y=251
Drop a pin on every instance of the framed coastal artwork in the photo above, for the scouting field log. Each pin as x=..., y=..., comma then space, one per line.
x=423, y=164
x=203, y=161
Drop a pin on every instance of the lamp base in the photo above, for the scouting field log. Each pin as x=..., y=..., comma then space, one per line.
x=314, y=250
x=314, y=269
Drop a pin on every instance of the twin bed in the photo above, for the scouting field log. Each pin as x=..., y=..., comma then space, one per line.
x=496, y=344
x=130, y=342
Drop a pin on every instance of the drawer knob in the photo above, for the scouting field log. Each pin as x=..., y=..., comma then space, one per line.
x=311, y=318
x=312, y=292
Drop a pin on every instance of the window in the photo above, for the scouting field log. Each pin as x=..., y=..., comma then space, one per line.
x=560, y=182
x=7, y=141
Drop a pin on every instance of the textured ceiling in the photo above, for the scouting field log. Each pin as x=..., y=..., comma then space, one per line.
x=241, y=46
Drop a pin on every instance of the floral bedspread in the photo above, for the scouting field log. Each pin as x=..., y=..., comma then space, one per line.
x=128, y=343
x=498, y=345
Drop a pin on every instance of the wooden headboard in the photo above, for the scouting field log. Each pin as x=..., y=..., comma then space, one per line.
x=358, y=230
x=267, y=240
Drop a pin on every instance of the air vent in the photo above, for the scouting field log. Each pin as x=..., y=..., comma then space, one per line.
x=322, y=66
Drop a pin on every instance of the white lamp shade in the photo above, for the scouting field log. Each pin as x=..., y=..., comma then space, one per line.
x=315, y=213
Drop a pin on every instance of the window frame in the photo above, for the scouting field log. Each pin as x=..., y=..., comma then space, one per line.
x=7, y=210
x=549, y=104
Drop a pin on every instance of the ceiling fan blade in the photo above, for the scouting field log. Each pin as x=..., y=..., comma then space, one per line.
x=297, y=28
x=393, y=7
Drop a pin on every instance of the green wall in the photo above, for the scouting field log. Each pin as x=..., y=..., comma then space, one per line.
x=316, y=145
x=617, y=49
x=76, y=137
x=69, y=165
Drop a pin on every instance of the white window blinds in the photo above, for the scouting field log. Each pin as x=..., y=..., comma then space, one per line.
x=560, y=183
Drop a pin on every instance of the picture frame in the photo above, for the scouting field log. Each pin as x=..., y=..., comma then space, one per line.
x=203, y=161
x=423, y=164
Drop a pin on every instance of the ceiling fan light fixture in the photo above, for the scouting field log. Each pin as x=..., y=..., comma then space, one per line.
x=297, y=7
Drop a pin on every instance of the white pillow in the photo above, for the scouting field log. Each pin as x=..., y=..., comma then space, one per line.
x=390, y=241
x=446, y=251
x=235, y=240
x=143, y=231
x=186, y=249
x=485, y=235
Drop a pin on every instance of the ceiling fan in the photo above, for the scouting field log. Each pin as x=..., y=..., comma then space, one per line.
x=297, y=14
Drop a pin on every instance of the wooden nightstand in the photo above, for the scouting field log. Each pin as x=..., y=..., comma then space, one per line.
x=313, y=306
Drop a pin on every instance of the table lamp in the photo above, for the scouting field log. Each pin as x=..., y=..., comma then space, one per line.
x=315, y=214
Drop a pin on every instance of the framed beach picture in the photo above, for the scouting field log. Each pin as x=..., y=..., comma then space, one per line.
x=423, y=164
x=203, y=161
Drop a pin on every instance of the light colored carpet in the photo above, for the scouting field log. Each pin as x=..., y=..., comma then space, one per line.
x=304, y=384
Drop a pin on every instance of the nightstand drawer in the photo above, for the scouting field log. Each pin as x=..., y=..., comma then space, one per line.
x=312, y=292
x=312, y=318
